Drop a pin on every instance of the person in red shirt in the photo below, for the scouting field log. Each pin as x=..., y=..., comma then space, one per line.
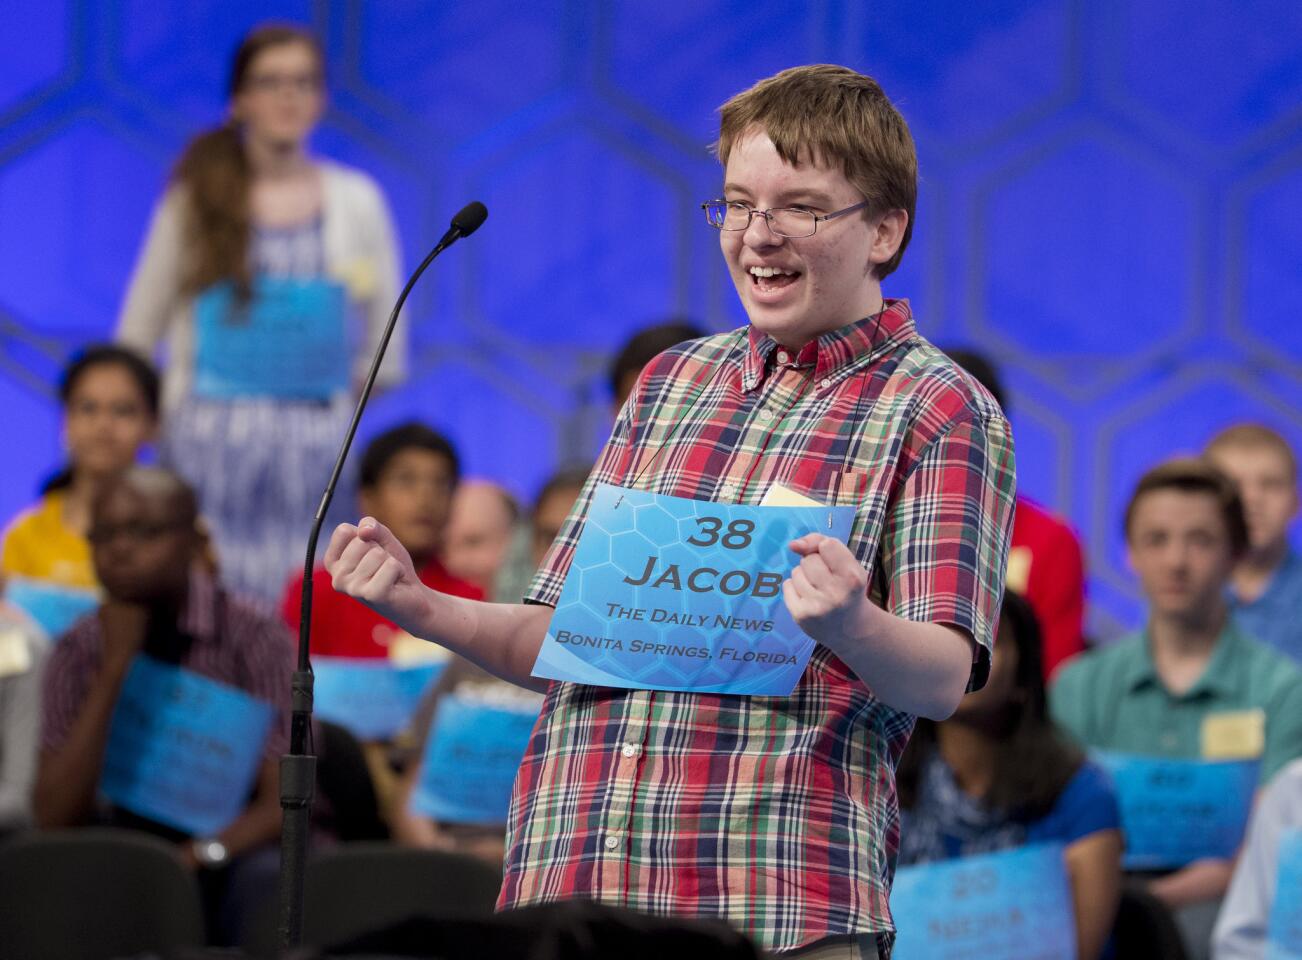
x=408, y=475
x=1045, y=562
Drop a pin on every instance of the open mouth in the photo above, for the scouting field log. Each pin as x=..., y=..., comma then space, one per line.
x=772, y=279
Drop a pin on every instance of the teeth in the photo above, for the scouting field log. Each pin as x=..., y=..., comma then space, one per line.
x=771, y=272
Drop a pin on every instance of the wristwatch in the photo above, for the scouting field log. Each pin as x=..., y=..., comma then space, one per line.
x=210, y=852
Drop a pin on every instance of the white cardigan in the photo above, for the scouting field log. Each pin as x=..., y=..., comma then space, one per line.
x=360, y=251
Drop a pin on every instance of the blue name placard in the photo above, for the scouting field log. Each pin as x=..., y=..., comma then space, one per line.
x=1015, y=905
x=183, y=750
x=667, y=593
x=56, y=608
x=471, y=758
x=372, y=698
x=1284, y=933
x=289, y=341
x=1176, y=811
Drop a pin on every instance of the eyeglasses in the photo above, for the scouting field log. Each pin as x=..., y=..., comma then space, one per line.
x=790, y=222
x=134, y=533
x=275, y=82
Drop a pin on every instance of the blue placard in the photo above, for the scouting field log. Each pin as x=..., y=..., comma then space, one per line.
x=667, y=593
x=1015, y=905
x=471, y=758
x=1284, y=933
x=372, y=698
x=1176, y=811
x=183, y=750
x=289, y=341
x=56, y=608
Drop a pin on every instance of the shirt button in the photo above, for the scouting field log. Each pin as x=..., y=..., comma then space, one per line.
x=630, y=750
x=612, y=841
x=783, y=356
x=825, y=382
x=1169, y=740
x=766, y=414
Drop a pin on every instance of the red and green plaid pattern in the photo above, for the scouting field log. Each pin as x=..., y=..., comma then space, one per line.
x=776, y=813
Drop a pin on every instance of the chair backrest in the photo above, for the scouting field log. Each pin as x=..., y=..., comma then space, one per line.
x=94, y=893
x=1145, y=928
x=359, y=887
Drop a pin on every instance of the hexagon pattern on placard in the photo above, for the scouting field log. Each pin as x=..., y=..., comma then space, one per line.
x=1106, y=203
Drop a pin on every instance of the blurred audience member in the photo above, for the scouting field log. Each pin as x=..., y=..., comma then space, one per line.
x=408, y=475
x=1266, y=589
x=160, y=605
x=410, y=827
x=482, y=530
x=110, y=410
x=552, y=505
x=1241, y=929
x=1045, y=563
x=270, y=275
x=1191, y=669
x=23, y=649
x=643, y=347
x=998, y=774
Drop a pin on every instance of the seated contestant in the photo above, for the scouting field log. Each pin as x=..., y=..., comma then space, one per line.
x=110, y=410
x=1266, y=589
x=407, y=478
x=640, y=349
x=776, y=813
x=1244, y=920
x=1168, y=688
x=998, y=775
x=161, y=604
x=483, y=528
x=1045, y=561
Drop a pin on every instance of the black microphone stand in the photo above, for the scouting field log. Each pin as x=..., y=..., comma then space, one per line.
x=298, y=767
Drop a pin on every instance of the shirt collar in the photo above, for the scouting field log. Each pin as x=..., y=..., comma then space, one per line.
x=199, y=617
x=1219, y=677
x=837, y=354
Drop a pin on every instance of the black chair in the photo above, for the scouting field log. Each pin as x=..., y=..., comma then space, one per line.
x=360, y=887
x=1145, y=928
x=344, y=782
x=95, y=893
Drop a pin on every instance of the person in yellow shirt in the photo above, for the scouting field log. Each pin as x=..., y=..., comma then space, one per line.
x=110, y=410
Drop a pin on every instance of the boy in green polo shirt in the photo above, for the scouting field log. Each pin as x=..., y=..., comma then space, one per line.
x=1191, y=684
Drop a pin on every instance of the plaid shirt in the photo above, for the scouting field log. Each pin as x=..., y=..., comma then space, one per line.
x=778, y=814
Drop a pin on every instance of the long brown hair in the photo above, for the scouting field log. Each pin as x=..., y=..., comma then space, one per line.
x=215, y=174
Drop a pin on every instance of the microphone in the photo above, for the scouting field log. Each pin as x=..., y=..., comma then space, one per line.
x=298, y=767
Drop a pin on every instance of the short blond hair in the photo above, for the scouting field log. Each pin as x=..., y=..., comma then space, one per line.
x=828, y=114
x=1253, y=435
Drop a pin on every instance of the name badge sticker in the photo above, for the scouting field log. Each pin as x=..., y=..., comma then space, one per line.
x=1176, y=811
x=1015, y=905
x=1284, y=930
x=471, y=757
x=668, y=593
x=1234, y=735
x=183, y=750
x=375, y=699
x=289, y=341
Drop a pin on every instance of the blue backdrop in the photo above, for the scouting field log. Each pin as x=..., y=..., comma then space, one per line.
x=1110, y=204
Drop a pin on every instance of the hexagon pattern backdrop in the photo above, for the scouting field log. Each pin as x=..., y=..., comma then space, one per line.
x=1111, y=204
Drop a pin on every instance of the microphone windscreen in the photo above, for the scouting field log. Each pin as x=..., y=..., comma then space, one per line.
x=468, y=220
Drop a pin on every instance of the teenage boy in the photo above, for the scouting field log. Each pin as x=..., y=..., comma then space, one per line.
x=1266, y=588
x=407, y=479
x=778, y=814
x=1191, y=676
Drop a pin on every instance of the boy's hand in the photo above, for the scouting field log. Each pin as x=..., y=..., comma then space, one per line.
x=827, y=592
x=367, y=562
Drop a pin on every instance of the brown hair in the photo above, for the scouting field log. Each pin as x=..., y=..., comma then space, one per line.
x=1195, y=475
x=824, y=113
x=214, y=170
x=1254, y=435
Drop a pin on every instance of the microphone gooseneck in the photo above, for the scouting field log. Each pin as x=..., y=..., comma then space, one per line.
x=298, y=767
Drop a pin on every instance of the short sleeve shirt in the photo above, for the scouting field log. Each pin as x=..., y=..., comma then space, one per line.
x=1113, y=699
x=778, y=814
x=1275, y=617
